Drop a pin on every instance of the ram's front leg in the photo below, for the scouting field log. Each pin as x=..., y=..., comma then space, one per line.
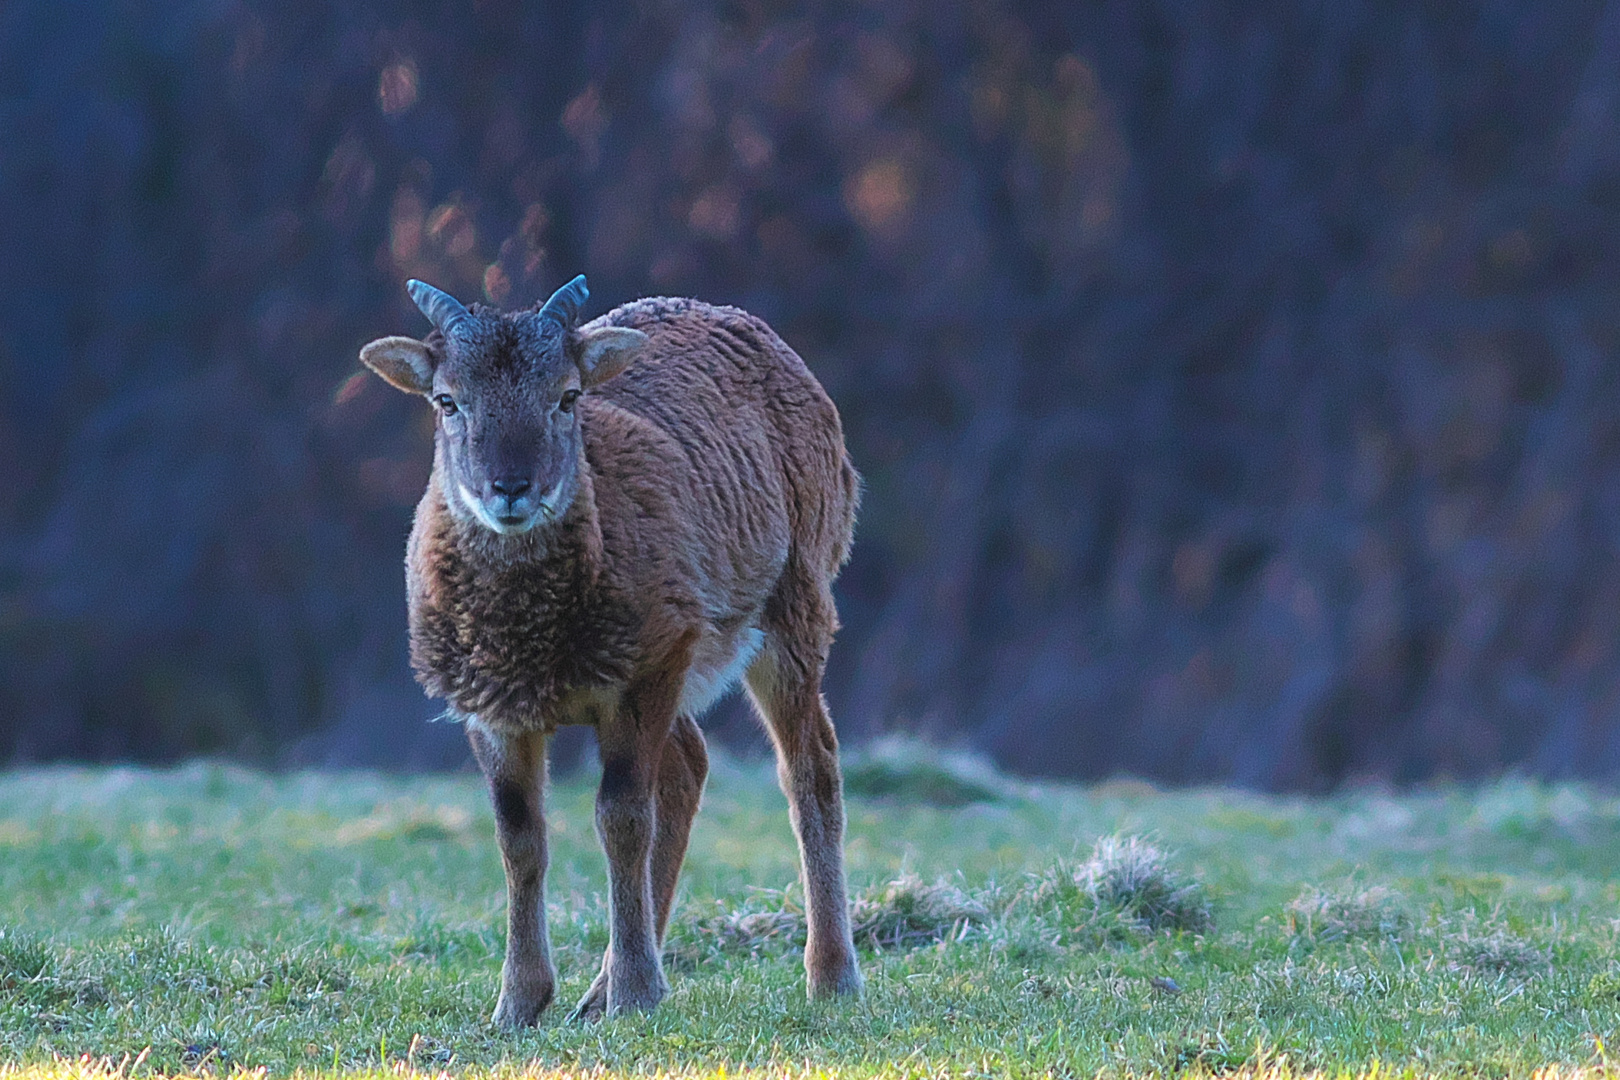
x=515, y=767
x=631, y=743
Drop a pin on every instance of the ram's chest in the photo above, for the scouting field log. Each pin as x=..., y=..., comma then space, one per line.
x=515, y=646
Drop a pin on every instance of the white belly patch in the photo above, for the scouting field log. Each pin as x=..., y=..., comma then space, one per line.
x=707, y=682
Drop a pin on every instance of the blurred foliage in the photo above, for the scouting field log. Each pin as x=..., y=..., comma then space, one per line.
x=1233, y=383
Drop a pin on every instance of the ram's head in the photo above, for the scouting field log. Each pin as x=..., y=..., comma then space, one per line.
x=508, y=445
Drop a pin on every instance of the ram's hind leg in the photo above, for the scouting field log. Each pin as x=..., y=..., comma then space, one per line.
x=682, y=769
x=785, y=685
x=515, y=766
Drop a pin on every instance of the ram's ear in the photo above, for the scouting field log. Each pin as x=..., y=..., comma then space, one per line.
x=402, y=362
x=606, y=351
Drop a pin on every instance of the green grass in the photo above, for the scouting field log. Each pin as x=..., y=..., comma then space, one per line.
x=212, y=919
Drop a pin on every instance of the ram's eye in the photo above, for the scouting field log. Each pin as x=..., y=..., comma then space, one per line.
x=446, y=404
x=566, y=403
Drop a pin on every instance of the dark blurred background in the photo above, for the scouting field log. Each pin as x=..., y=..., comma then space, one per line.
x=1235, y=384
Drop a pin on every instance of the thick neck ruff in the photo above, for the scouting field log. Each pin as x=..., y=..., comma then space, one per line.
x=505, y=627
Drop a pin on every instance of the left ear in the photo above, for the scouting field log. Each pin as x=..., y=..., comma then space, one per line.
x=404, y=362
x=606, y=351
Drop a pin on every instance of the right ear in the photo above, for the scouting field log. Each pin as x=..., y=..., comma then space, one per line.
x=606, y=351
x=402, y=362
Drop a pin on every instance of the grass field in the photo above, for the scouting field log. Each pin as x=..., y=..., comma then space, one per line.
x=212, y=919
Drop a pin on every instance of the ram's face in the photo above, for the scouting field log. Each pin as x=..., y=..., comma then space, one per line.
x=508, y=437
x=506, y=389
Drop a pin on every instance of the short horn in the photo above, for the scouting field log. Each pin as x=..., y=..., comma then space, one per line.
x=442, y=309
x=566, y=302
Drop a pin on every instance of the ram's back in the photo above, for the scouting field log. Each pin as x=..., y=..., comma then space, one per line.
x=761, y=442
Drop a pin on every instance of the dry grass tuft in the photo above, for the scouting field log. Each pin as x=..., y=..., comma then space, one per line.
x=906, y=913
x=769, y=921
x=1131, y=877
x=1494, y=950
x=1376, y=912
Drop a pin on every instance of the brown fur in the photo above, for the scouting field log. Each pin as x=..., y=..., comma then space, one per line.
x=714, y=504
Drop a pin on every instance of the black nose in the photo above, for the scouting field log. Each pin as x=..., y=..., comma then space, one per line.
x=510, y=488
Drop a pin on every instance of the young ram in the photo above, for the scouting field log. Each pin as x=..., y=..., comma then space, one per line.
x=623, y=519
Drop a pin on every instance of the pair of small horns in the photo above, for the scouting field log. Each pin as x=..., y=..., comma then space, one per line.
x=448, y=313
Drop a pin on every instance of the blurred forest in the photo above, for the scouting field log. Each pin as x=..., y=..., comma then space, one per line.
x=1235, y=384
